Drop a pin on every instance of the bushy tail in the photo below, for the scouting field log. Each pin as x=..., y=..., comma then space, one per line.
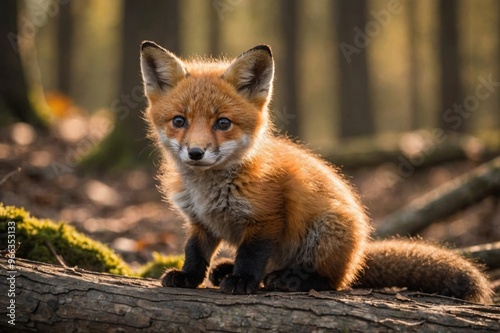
x=423, y=267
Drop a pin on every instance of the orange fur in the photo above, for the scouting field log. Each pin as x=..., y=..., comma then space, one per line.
x=422, y=266
x=250, y=185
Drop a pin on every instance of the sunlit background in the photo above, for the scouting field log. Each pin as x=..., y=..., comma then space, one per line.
x=379, y=64
x=404, y=95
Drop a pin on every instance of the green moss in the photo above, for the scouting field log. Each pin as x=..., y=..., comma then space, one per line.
x=36, y=236
x=156, y=267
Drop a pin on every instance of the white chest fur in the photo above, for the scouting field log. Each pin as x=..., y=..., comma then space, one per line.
x=212, y=199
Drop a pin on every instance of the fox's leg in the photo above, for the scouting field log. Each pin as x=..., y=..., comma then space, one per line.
x=340, y=250
x=249, y=265
x=199, y=250
x=301, y=278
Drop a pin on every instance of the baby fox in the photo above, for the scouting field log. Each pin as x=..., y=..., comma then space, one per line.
x=295, y=223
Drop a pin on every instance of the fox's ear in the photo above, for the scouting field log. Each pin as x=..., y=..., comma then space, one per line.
x=252, y=74
x=161, y=69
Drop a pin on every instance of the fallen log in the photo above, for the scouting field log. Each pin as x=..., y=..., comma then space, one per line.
x=444, y=201
x=58, y=299
x=487, y=254
x=420, y=148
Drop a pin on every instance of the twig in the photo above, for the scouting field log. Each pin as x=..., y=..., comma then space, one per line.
x=56, y=255
x=3, y=253
x=10, y=174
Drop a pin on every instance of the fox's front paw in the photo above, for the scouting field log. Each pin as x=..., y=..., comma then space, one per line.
x=179, y=279
x=275, y=282
x=239, y=285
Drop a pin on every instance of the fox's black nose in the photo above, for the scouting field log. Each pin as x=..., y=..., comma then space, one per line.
x=195, y=154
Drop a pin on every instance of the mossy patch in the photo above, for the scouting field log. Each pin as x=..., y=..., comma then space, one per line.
x=156, y=267
x=38, y=236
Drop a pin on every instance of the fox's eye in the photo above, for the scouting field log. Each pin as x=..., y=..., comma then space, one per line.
x=178, y=121
x=223, y=124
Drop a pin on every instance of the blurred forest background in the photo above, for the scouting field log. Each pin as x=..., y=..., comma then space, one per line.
x=403, y=95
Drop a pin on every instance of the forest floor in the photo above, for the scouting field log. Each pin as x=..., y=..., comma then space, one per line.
x=126, y=211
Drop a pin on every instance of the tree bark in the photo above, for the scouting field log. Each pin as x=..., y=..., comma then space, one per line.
x=73, y=300
x=444, y=201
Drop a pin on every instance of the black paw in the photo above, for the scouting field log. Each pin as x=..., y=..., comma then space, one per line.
x=239, y=285
x=220, y=270
x=276, y=281
x=179, y=279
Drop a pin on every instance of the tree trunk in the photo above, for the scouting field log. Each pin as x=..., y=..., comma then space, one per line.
x=14, y=100
x=449, y=59
x=414, y=74
x=156, y=20
x=214, y=21
x=288, y=118
x=58, y=299
x=444, y=201
x=65, y=47
x=356, y=116
x=498, y=64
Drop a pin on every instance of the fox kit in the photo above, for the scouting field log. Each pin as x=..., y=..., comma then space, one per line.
x=294, y=221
